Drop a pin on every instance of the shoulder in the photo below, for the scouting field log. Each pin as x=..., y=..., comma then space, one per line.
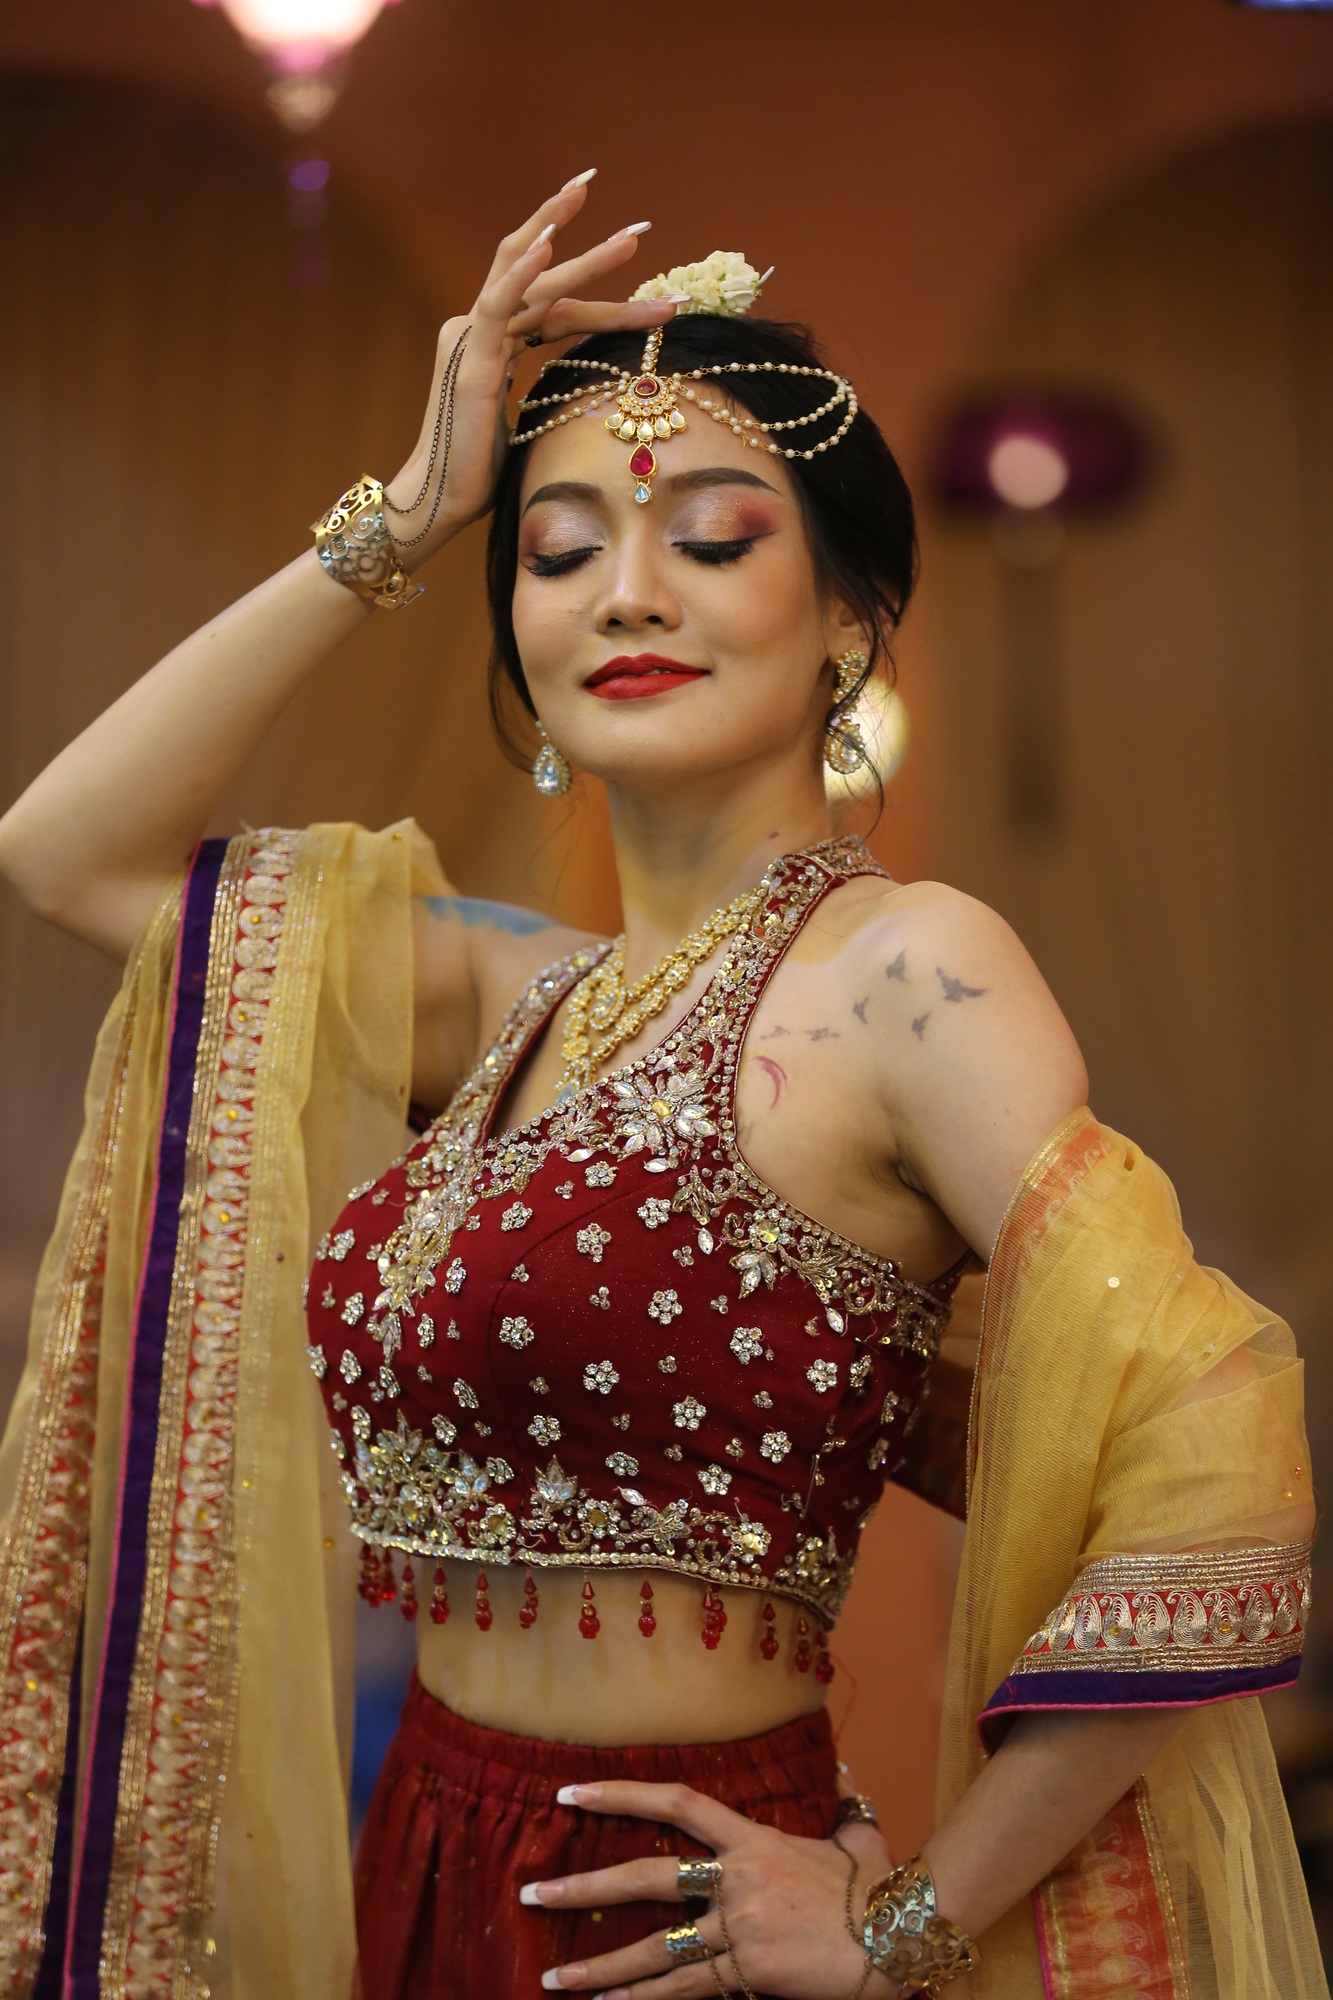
x=975, y=1061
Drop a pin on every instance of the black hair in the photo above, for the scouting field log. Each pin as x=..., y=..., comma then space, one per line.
x=856, y=505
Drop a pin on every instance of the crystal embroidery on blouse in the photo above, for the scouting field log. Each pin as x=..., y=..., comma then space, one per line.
x=668, y=1114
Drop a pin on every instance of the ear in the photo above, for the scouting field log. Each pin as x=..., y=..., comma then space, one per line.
x=844, y=631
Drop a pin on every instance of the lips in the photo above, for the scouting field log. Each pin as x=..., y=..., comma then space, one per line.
x=632, y=676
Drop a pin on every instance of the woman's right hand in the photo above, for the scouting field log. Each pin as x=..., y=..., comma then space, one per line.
x=525, y=292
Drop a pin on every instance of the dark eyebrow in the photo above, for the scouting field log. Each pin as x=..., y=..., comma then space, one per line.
x=678, y=482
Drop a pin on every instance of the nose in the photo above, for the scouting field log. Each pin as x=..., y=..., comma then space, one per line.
x=637, y=596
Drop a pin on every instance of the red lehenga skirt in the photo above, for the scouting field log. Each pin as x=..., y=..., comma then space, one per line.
x=462, y=1817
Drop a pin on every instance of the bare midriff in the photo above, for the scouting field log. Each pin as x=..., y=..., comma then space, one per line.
x=619, y=1687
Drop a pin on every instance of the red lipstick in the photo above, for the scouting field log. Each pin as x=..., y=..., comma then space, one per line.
x=631, y=676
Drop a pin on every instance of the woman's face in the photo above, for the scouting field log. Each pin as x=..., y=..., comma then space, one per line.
x=682, y=638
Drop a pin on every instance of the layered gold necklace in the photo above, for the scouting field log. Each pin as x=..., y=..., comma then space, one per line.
x=604, y=1013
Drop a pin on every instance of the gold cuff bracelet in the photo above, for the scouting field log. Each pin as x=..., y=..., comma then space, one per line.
x=353, y=543
x=907, y=1938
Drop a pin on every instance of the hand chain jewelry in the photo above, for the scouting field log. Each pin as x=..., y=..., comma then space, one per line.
x=729, y=1949
x=444, y=417
x=353, y=541
x=603, y=1013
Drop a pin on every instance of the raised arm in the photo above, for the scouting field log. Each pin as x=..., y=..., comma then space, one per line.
x=93, y=842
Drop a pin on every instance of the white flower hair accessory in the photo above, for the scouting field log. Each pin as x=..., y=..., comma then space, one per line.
x=722, y=283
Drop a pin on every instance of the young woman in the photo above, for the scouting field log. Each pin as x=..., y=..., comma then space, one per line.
x=617, y=1356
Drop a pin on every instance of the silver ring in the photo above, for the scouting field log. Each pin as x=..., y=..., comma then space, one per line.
x=685, y=1945
x=697, y=1877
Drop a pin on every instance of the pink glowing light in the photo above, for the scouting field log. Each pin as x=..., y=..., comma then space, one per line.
x=301, y=34
x=1027, y=471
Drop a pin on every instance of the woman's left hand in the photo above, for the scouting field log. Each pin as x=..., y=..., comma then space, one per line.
x=785, y=1899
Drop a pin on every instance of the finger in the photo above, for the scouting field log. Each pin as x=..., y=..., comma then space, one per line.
x=648, y=1959
x=568, y=318
x=501, y=298
x=584, y=273
x=716, y=1825
x=558, y=209
x=652, y=1879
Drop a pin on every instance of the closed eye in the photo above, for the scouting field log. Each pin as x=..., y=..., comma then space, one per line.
x=560, y=564
x=719, y=552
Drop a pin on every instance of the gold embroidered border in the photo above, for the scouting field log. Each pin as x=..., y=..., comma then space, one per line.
x=1167, y=1614
x=161, y=1892
x=43, y=1566
x=1108, y=1922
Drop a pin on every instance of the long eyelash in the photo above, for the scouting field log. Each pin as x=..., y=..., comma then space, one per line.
x=557, y=565
x=719, y=552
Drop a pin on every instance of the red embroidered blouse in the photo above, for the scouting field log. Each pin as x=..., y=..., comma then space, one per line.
x=600, y=1339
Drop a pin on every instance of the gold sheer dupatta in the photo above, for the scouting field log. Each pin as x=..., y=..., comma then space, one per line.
x=176, y=1582
x=1138, y=1523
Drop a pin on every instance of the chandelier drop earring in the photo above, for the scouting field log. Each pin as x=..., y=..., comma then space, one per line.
x=550, y=770
x=844, y=746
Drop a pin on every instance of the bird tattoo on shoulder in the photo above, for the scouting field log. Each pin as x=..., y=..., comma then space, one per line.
x=954, y=989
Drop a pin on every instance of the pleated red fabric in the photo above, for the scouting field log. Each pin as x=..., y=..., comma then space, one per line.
x=462, y=1816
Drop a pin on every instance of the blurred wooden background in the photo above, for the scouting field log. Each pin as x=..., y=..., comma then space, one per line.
x=1136, y=195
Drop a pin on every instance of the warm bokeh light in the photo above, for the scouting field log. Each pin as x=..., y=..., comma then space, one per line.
x=1027, y=471
x=284, y=27
x=881, y=716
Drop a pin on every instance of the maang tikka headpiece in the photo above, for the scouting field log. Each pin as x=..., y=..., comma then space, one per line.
x=647, y=412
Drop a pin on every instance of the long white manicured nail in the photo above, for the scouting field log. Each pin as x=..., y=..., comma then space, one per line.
x=551, y=1980
x=568, y=1795
x=579, y=180
x=528, y=1894
x=676, y=299
x=636, y=228
x=545, y=236
x=768, y=274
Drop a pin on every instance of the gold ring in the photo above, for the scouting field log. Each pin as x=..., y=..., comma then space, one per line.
x=854, y=1810
x=697, y=1877
x=535, y=338
x=685, y=1945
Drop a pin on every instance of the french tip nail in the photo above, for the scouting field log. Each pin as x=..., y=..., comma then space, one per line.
x=768, y=274
x=636, y=228
x=528, y=1894
x=545, y=236
x=676, y=299
x=551, y=1981
x=568, y=1795
x=579, y=180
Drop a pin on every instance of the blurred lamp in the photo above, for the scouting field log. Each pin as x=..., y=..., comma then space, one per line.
x=1289, y=6
x=1030, y=451
x=303, y=43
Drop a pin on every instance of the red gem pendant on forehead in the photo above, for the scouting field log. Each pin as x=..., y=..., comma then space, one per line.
x=647, y=386
x=643, y=465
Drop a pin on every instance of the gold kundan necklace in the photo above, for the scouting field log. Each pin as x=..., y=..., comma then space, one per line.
x=604, y=1013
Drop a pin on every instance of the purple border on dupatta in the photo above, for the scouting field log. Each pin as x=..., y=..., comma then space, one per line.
x=101, y=1792
x=1185, y=1688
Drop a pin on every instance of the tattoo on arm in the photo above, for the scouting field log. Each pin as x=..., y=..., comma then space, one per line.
x=954, y=989
x=822, y=1034
x=476, y=912
x=773, y=1033
x=898, y=970
x=919, y=1025
x=859, y=1009
x=776, y=1075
